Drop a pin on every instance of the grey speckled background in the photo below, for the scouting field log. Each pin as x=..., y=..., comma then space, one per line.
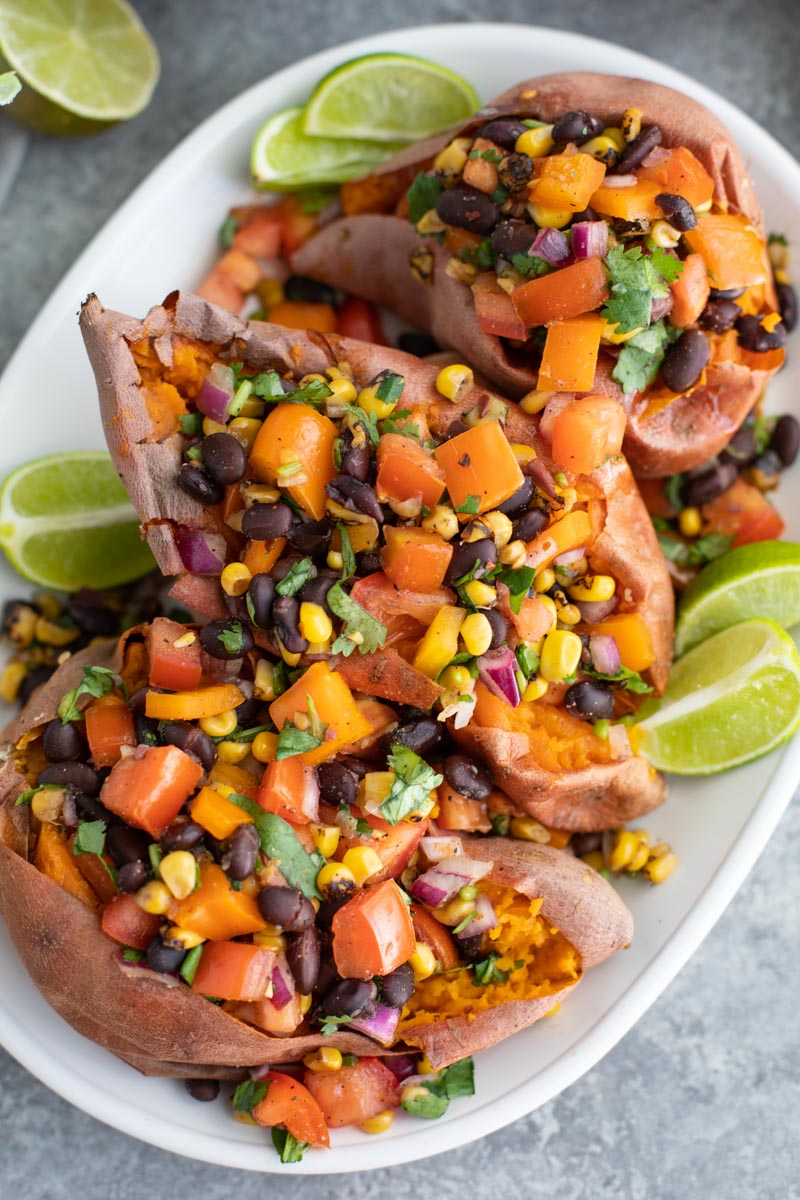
x=702, y=1099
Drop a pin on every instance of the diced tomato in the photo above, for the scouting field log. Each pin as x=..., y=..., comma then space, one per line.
x=149, y=790
x=496, y=313
x=109, y=727
x=378, y=595
x=215, y=910
x=356, y=318
x=407, y=472
x=176, y=668
x=234, y=971
x=745, y=512
x=259, y=233
x=532, y=621
x=96, y=869
x=435, y=935
x=296, y=226
x=568, y=292
x=291, y=1104
x=127, y=923
x=372, y=933
x=394, y=845
x=461, y=812
x=354, y=1094
x=289, y=789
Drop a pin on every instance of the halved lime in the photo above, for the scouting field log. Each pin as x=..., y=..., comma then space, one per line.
x=84, y=64
x=733, y=698
x=759, y=580
x=66, y=523
x=283, y=158
x=388, y=97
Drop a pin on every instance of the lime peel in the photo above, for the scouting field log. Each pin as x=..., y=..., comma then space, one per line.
x=284, y=158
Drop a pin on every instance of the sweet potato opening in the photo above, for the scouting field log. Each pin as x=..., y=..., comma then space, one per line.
x=557, y=741
x=166, y=387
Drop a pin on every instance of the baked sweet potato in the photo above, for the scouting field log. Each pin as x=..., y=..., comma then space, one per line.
x=367, y=251
x=150, y=1018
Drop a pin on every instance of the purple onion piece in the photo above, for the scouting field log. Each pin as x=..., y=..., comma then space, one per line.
x=282, y=984
x=661, y=306
x=656, y=156
x=201, y=553
x=379, y=1022
x=260, y=1072
x=605, y=653
x=552, y=246
x=401, y=1065
x=569, y=557
x=590, y=239
x=439, y=884
x=497, y=670
x=596, y=610
x=620, y=181
x=140, y=970
x=216, y=393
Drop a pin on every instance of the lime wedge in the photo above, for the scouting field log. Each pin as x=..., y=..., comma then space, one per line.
x=66, y=523
x=729, y=700
x=283, y=158
x=759, y=580
x=83, y=63
x=388, y=97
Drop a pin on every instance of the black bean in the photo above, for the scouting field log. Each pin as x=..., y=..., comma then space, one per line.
x=685, y=360
x=741, y=448
x=515, y=172
x=678, y=211
x=349, y=997
x=520, y=500
x=91, y=614
x=239, y=639
x=285, y=615
x=146, y=730
x=498, y=624
x=265, y=522
x=356, y=766
x=242, y=852
x=72, y=774
x=468, y=776
x=703, y=488
x=198, y=484
x=785, y=440
x=764, y=472
x=202, y=1089
x=285, y=907
x=368, y=562
x=470, y=948
x=530, y=524
x=355, y=495
x=248, y=712
x=302, y=955
x=467, y=208
x=316, y=591
x=397, y=987
x=328, y=909
x=753, y=336
x=32, y=681
x=138, y=701
x=585, y=843
x=192, y=740
x=355, y=457
x=512, y=237
x=164, y=959
x=503, y=131
x=328, y=975
x=576, y=126
x=637, y=151
x=224, y=458
x=63, y=743
x=419, y=344
x=787, y=303
x=311, y=538
x=131, y=876
x=420, y=735
x=726, y=293
x=337, y=785
x=308, y=291
x=91, y=809
x=590, y=699
x=719, y=316
x=183, y=835
x=466, y=555
x=260, y=595
x=126, y=845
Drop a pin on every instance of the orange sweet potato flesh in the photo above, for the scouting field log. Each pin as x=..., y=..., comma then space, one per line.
x=367, y=252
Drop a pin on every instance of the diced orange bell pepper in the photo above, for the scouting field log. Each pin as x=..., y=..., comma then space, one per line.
x=570, y=354
x=457, y=811
x=127, y=923
x=689, y=292
x=636, y=203
x=731, y=248
x=192, y=706
x=587, y=432
x=109, y=727
x=300, y=314
x=566, y=182
x=176, y=668
x=289, y=1103
x=435, y=935
x=288, y=788
x=570, y=533
x=681, y=175
x=234, y=971
x=632, y=637
x=54, y=859
x=414, y=558
x=496, y=314
x=215, y=910
x=334, y=706
x=568, y=292
x=260, y=557
x=479, y=465
x=372, y=933
x=407, y=472
x=97, y=870
x=295, y=433
x=216, y=814
x=149, y=788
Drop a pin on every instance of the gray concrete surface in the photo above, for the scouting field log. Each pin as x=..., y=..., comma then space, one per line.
x=702, y=1099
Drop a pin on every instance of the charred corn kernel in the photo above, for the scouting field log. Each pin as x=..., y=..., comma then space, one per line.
x=550, y=605
x=499, y=526
x=264, y=681
x=657, y=869
x=245, y=429
x=46, y=805
x=523, y=454
x=631, y=123
x=222, y=725
x=363, y=861
x=335, y=560
x=178, y=870
x=251, y=886
x=270, y=292
x=476, y=634
x=509, y=280
x=334, y=876
x=450, y=161
x=420, y=260
x=569, y=614
x=327, y=1058
x=536, y=143
x=595, y=860
x=270, y=941
x=183, y=937
x=211, y=426
x=344, y=390
x=291, y=660
x=514, y=554
x=431, y=223
x=305, y=1003
x=561, y=653
x=690, y=522
x=413, y=1091
x=441, y=520
x=259, y=493
x=186, y=639
x=456, y=679
x=548, y=218
x=422, y=962
x=665, y=235
x=235, y=579
x=544, y=580
x=615, y=135
x=155, y=897
x=380, y=1123
x=534, y=402
x=453, y=381
x=593, y=587
x=315, y=624
x=232, y=752
x=623, y=848
x=21, y=624
x=369, y=402
x=11, y=681
x=54, y=635
x=482, y=595
x=528, y=829
x=475, y=531
x=569, y=498
x=602, y=148
x=454, y=912
x=326, y=838
x=536, y=689
x=47, y=604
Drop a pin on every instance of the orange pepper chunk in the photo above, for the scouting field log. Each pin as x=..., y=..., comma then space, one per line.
x=234, y=971
x=689, y=292
x=294, y=433
x=681, y=175
x=587, y=432
x=571, y=532
x=407, y=472
x=570, y=354
x=54, y=859
x=334, y=706
x=215, y=910
x=260, y=557
x=731, y=248
x=632, y=637
x=566, y=181
x=636, y=203
x=372, y=933
x=415, y=559
x=289, y=1103
x=192, y=706
x=109, y=727
x=297, y=314
x=218, y=815
x=568, y=292
x=479, y=464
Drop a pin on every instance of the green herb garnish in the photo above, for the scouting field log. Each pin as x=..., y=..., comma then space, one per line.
x=414, y=780
x=296, y=577
x=422, y=196
x=90, y=838
x=630, y=680
x=348, y=557
x=470, y=505
x=191, y=423
x=287, y=1145
x=635, y=280
x=530, y=266
x=280, y=843
x=456, y=1080
x=248, y=1094
x=519, y=581
x=360, y=630
x=390, y=388
x=188, y=968
x=97, y=681
x=233, y=638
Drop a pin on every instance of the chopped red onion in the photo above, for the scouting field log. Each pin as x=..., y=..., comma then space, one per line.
x=437, y=848
x=485, y=918
x=283, y=988
x=620, y=181
x=439, y=884
x=140, y=970
x=401, y=1065
x=216, y=393
x=590, y=239
x=261, y=1072
x=541, y=476
x=379, y=1022
x=497, y=670
x=552, y=246
x=656, y=156
x=605, y=653
x=201, y=553
x=596, y=610
x=569, y=556
x=619, y=742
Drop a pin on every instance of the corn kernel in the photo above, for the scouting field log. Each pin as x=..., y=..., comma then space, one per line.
x=155, y=897
x=657, y=869
x=431, y=223
x=450, y=162
x=186, y=938
x=534, y=402
x=499, y=526
x=235, y=579
x=782, y=276
x=245, y=429
x=602, y=148
x=569, y=614
x=211, y=426
x=455, y=912
x=46, y=805
x=548, y=218
x=325, y=838
x=528, y=829
x=453, y=381
x=665, y=235
x=21, y=624
x=561, y=654
x=369, y=402
x=259, y=493
x=326, y=1058
x=222, y=725
x=291, y=660
x=480, y=594
x=441, y=520
x=476, y=634
x=595, y=860
x=593, y=588
x=315, y=624
x=380, y=1123
x=536, y=143
x=264, y=680
x=363, y=861
x=186, y=639
x=11, y=681
x=615, y=135
x=270, y=291
x=568, y=497
x=52, y=634
x=623, y=848
x=305, y=1003
x=640, y=855
x=335, y=877
x=631, y=123
x=536, y=689
x=232, y=752
x=374, y=788
x=270, y=941
x=456, y=679
x=178, y=870
x=410, y=1092
x=523, y=454
x=335, y=560
x=544, y=580
x=344, y=390
x=770, y=321
x=423, y=962
x=611, y=334
x=514, y=554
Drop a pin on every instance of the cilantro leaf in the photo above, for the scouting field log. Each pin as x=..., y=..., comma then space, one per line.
x=352, y=413
x=470, y=506
x=640, y=359
x=280, y=843
x=329, y=1025
x=414, y=780
x=348, y=557
x=777, y=239
x=501, y=823
x=480, y=255
x=429, y=1104
x=26, y=796
x=90, y=838
x=248, y=1094
x=191, y=423
x=370, y=633
x=233, y=638
x=292, y=741
x=519, y=581
x=315, y=393
x=672, y=490
x=527, y=659
x=668, y=266
x=268, y=386
x=287, y=1145
x=390, y=388
x=630, y=680
x=711, y=546
x=635, y=280
x=456, y=1080
x=763, y=430
x=422, y=196
x=530, y=266
x=97, y=681
x=489, y=155
x=296, y=577
x=487, y=972
x=226, y=231
x=459, y=1079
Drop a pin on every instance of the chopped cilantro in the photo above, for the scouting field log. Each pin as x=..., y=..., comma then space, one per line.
x=26, y=796
x=226, y=231
x=287, y=1145
x=329, y=1025
x=354, y=413
x=233, y=638
x=248, y=1094
x=130, y=955
x=280, y=843
x=427, y=1103
x=90, y=838
x=487, y=971
x=530, y=266
x=413, y=783
x=292, y=741
x=191, y=423
x=268, y=386
x=348, y=557
x=763, y=427
x=97, y=681
x=635, y=280
x=777, y=239
x=470, y=505
x=500, y=194
x=501, y=823
x=363, y=828
x=480, y=255
x=422, y=196
x=672, y=490
x=489, y=155
x=519, y=581
x=456, y=1080
x=315, y=393
x=390, y=388
x=630, y=680
x=296, y=577
x=527, y=658
x=693, y=554
x=640, y=358
x=370, y=633
x=155, y=854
